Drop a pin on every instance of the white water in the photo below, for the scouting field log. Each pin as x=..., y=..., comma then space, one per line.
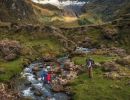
x=37, y=84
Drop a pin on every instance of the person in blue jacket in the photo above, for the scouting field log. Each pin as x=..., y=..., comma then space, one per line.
x=44, y=75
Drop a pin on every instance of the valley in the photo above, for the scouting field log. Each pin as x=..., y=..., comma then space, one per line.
x=35, y=34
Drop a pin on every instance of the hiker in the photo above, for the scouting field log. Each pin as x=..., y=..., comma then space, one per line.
x=49, y=77
x=90, y=63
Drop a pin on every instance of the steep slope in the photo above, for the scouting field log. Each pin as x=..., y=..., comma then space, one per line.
x=26, y=11
x=107, y=9
x=14, y=10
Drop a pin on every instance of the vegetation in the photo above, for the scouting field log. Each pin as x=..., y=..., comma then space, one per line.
x=99, y=88
x=31, y=50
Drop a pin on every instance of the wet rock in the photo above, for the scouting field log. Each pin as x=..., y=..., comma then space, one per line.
x=57, y=88
x=27, y=83
x=110, y=66
x=35, y=69
x=38, y=93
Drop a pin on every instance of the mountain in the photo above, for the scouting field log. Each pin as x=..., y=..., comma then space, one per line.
x=107, y=9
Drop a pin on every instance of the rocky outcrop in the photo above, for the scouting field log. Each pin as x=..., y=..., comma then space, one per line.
x=110, y=33
x=9, y=49
x=15, y=9
x=6, y=94
x=124, y=61
x=110, y=66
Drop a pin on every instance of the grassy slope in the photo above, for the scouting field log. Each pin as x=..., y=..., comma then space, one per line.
x=99, y=88
x=32, y=48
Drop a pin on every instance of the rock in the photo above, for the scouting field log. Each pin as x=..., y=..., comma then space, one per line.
x=68, y=65
x=7, y=94
x=27, y=83
x=124, y=61
x=35, y=69
x=128, y=83
x=97, y=65
x=112, y=75
x=2, y=70
x=72, y=75
x=87, y=43
x=10, y=57
x=110, y=33
x=110, y=66
x=118, y=51
x=38, y=93
x=57, y=88
x=10, y=49
x=115, y=86
x=63, y=81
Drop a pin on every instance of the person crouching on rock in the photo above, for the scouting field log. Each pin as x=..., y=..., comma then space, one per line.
x=90, y=63
x=49, y=77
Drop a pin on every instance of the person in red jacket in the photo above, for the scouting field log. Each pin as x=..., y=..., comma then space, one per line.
x=49, y=77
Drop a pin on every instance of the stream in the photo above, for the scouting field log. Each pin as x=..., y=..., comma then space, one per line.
x=33, y=87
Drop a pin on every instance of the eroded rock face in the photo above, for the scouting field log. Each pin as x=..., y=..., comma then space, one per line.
x=9, y=49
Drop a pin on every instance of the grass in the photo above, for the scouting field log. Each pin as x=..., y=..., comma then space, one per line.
x=96, y=58
x=10, y=69
x=32, y=48
x=99, y=88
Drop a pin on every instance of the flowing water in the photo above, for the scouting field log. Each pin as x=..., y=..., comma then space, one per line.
x=34, y=85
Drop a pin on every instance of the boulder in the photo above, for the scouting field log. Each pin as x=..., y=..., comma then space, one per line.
x=110, y=66
x=10, y=49
x=110, y=33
